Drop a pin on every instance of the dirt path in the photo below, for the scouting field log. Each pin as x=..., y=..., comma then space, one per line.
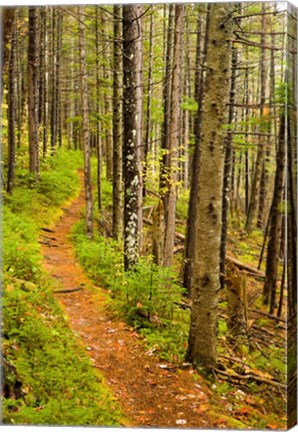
x=150, y=392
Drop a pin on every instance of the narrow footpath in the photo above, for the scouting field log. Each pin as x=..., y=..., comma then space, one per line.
x=150, y=392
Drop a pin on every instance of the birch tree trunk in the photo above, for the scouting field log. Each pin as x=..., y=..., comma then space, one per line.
x=206, y=270
x=132, y=120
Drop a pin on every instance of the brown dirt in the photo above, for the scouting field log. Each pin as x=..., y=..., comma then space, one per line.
x=150, y=392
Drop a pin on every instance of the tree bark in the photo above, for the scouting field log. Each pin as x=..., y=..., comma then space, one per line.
x=206, y=267
x=117, y=127
x=173, y=143
x=132, y=121
x=255, y=188
x=33, y=93
x=269, y=291
x=194, y=187
x=12, y=107
x=85, y=115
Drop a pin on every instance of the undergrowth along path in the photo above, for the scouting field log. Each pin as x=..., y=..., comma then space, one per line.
x=150, y=392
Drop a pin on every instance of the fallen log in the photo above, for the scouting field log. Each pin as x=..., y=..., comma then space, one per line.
x=252, y=271
x=267, y=315
x=244, y=266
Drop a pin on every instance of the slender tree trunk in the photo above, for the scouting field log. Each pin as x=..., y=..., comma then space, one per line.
x=255, y=188
x=58, y=84
x=269, y=291
x=85, y=115
x=107, y=102
x=117, y=127
x=148, y=107
x=98, y=137
x=12, y=107
x=171, y=179
x=194, y=187
x=53, y=69
x=166, y=102
x=227, y=170
x=33, y=93
x=132, y=121
x=206, y=267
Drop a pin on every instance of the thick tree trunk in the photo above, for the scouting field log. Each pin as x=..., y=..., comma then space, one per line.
x=174, y=126
x=33, y=93
x=206, y=267
x=132, y=121
x=117, y=127
x=85, y=115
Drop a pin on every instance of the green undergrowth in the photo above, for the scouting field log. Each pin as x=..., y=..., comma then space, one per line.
x=48, y=377
x=147, y=298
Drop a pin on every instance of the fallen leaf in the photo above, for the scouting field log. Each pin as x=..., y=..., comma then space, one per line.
x=181, y=421
x=272, y=426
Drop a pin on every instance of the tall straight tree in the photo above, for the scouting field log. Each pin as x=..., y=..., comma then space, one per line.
x=33, y=92
x=192, y=207
x=85, y=115
x=269, y=291
x=132, y=120
x=206, y=266
x=256, y=183
x=173, y=141
x=117, y=117
x=12, y=107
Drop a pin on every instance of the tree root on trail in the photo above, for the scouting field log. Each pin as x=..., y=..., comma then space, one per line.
x=65, y=291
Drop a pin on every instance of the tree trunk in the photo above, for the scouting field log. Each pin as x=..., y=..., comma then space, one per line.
x=117, y=127
x=194, y=187
x=12, y=107
x=227, y=169
x=148, y=107
x=85, y=115
x=255, y=188
x=269, y=291
x=33, y=93
x=173, y=143
x=107, y=101
x=206, y=267
x=98, y=137
x=132, y=121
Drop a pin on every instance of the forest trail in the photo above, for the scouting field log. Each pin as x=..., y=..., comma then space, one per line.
x=150, y=392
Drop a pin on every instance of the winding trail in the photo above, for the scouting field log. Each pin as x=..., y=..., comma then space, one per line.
x=150, y=392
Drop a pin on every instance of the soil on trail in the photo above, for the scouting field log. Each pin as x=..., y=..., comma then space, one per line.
x=150, y=392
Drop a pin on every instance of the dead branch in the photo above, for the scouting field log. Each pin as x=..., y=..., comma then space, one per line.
x=234, y=375
x=267, y=315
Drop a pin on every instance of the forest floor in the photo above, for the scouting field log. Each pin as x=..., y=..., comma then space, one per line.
x=149, y=392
